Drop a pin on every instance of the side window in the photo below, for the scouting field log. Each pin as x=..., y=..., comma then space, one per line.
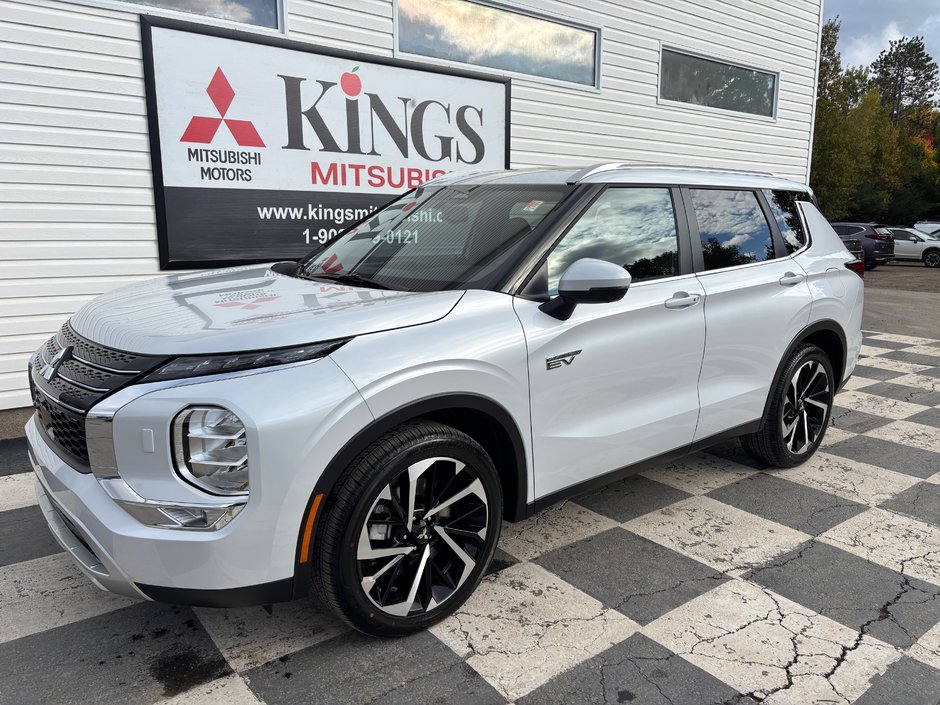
x=841, y=230
x=732, y=227
x=901, y=235
x=783, y=206
x=632, y=227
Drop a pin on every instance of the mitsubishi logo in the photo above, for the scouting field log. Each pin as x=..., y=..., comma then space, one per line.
x=49, y=369
x=201, y=130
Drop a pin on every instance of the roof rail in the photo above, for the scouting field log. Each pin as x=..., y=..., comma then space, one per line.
x=595, y=169
x=579, y=176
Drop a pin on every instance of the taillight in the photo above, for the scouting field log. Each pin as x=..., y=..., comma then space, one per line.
x=880, y=234
x=856, y=266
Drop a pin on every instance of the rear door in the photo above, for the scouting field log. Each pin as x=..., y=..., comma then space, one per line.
x=906, y=246
x=616, y=383
x=756, y=301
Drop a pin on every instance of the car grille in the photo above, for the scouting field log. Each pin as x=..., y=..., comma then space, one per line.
x=86, y=374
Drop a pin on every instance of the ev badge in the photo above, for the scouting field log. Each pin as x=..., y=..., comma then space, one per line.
x=49, y=369
x=552, y=363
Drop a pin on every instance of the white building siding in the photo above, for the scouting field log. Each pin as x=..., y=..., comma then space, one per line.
x=76, y=203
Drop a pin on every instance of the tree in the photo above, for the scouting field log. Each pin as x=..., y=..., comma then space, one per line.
x=874, y=153
x=907, y=77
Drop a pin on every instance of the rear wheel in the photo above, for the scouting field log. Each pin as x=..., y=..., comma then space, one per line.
x=932, y=258
x=410, y=532
x=799, y=410
x=871, y=265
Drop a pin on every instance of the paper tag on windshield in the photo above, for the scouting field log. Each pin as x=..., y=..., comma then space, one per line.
x=532, y=206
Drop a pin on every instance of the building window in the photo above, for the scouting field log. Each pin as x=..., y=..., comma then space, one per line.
x=262, y=13
x=685, y=78
x=497, y=38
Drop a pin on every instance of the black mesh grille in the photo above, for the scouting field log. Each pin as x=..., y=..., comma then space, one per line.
x=63, y=427
x=84, y=375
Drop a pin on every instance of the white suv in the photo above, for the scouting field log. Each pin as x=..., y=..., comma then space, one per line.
x=363, y=420
x=914, y=244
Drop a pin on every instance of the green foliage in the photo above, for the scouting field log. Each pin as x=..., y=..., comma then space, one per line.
x=874, y=155
x=906, y=76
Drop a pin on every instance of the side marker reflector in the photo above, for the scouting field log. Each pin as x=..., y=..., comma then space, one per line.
x=308, y=529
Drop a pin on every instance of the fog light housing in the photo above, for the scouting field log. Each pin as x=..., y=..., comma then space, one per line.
x=211, y=450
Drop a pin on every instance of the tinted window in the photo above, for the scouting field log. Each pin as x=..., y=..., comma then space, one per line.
x=715, y=84
x=473, y=33
x=632, y=227
x=783, y=206
x=901, y=235
x=732, y=227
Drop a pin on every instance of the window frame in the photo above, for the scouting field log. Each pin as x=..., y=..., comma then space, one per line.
x=695, y=53
x=511, y=7
x=695, y=235
x=140, y=9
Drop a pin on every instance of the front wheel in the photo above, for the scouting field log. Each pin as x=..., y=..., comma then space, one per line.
x=932, y=259
x=799, y=410
x=410, y=530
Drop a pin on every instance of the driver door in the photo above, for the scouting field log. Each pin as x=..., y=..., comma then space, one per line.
x=616, y=383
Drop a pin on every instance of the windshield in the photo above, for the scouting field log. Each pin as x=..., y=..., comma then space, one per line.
x=432, y=239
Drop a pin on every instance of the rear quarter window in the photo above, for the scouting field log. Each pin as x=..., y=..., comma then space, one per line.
x=783, y=206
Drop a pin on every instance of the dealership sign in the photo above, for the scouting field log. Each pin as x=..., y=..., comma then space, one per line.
x=263, y=148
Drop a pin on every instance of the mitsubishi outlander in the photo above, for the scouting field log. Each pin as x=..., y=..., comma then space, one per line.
x=359, y=423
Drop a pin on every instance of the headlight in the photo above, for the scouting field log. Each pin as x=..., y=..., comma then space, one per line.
x=183, y=367
x=211, y=449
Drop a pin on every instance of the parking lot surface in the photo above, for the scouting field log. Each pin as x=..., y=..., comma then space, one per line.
x=712, y=580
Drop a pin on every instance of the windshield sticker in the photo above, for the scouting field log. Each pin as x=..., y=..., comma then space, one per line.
x=532, y=206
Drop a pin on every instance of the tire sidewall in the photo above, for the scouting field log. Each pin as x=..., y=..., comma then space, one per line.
x=932, y=255
x=358, y=606
x=802, y=356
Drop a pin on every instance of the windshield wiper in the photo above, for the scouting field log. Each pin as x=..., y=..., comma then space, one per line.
x=354, y=279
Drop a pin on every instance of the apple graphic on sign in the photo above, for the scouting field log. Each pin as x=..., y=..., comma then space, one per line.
x=350, y=83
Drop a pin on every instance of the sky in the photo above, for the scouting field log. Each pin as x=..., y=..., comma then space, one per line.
x=868, y=26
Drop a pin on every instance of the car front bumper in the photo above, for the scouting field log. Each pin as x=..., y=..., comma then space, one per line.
x=250, y=560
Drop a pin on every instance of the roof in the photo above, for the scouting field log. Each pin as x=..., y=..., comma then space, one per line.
x=621, y=173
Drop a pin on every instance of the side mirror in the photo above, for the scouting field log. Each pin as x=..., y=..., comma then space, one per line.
x=587, y=281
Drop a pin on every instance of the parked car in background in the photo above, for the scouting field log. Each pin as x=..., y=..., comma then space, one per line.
x=854, y=245
x=877, y=241
x=913, y=244
x=931, y=227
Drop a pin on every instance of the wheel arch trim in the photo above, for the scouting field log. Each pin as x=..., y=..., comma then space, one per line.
x=823, y=326
x=515, y=509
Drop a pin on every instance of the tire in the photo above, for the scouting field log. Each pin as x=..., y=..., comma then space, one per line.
x=799, y=410
x=869, y=266
x=932, y=259
x=402, y=579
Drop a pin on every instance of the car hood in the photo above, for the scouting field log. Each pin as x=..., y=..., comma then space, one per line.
x=247, y=308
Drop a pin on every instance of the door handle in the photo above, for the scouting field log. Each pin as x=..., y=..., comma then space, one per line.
x=682, y=300
x=791, y=279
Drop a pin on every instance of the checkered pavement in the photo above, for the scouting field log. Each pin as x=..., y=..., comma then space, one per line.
x=711, y=580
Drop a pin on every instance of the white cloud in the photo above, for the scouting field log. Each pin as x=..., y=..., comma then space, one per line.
x=861, y=50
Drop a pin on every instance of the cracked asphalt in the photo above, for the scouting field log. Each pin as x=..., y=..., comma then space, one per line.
x=714, y=580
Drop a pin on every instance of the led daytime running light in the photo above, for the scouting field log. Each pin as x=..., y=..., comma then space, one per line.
x=184, y=367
